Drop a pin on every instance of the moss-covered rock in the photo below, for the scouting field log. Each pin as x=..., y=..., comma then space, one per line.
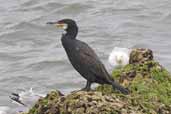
x=150, y=86
x=82, y=102
x=148, y=81
x=140, y=55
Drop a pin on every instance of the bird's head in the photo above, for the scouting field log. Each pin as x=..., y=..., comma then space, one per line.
x=65, y=24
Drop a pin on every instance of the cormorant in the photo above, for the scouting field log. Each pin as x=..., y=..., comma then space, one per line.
x=83, y=58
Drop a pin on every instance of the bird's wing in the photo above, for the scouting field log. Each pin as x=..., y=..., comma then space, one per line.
x=90, y=60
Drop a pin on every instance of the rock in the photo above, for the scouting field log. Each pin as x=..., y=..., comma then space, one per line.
x=140, y=55
x=148, y=81
x=81, y=102
x=150, y=86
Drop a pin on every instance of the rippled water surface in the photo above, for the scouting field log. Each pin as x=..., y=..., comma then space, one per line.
x=31, y=54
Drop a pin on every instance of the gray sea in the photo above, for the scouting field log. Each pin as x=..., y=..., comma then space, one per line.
x=31, y=54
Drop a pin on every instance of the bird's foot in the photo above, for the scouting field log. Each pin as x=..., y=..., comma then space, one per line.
x=85, y=89
x=75, y=91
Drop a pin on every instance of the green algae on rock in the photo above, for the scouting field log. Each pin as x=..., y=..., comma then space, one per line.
x=149, y=83
x=82, y=102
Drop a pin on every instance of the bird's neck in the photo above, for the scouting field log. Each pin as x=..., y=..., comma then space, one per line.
x=71, y=33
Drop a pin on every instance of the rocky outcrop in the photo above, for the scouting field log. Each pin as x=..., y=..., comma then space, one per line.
x=82, y=102
x=148, y=81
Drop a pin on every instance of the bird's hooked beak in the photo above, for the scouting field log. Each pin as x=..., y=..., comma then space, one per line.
x=59, y=25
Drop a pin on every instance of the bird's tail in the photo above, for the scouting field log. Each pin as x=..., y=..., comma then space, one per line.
x=117, y=86
x=114, y=83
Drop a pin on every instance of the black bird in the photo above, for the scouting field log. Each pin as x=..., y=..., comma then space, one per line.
x=83, y=58
x=16, y=97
